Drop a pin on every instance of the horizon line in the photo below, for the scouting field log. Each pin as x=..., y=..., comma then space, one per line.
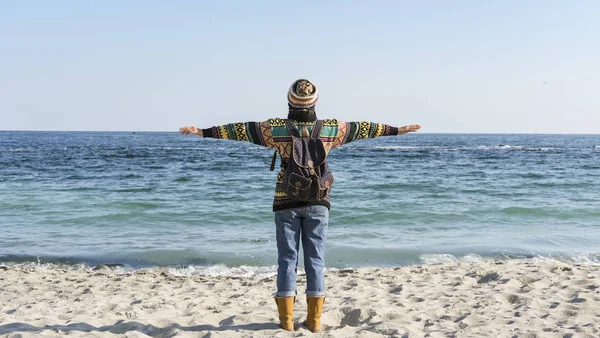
x=168, y=131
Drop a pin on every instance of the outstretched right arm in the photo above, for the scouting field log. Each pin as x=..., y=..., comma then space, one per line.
x=253, y=132
x=408, y=129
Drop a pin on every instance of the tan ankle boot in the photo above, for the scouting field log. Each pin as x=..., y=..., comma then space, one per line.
x=315, y=308
x=285, y=307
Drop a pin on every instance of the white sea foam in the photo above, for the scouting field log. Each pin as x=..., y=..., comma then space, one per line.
x=222, y=270
x=481, y=147
x=472, y=258
x=8, y=149
x=438, y=258
x=407, y=147
x=584, y=258
x=512, y=147
x=448, y=258
x=262, y=272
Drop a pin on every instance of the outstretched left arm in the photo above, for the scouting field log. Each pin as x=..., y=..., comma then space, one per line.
x=253, y=132
x=191, y=130
x=353, y=131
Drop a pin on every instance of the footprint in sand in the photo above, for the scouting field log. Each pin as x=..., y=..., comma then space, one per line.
x=417, y=299
x=350, y=286
x=351, y=317
x=356, y=317
x=396, y=290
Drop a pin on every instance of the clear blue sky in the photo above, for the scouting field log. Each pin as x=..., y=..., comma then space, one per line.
x=452, y=66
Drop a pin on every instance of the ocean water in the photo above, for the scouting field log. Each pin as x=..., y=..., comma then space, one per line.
x=162, y=199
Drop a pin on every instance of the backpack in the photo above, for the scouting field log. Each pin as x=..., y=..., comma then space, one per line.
x=307, y=177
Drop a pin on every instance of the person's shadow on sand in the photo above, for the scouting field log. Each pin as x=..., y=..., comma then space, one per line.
x=122, y=327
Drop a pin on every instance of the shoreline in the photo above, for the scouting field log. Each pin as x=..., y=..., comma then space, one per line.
x=492, y=298
x=253, y=270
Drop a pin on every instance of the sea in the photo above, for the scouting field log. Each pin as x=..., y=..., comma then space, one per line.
x=144, y=200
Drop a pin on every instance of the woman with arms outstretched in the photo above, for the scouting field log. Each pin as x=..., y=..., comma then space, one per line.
x=301, y=202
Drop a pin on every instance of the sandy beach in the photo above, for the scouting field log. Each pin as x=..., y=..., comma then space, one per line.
x=512, y=298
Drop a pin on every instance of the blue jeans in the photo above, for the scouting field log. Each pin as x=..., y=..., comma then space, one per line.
x=310, y=223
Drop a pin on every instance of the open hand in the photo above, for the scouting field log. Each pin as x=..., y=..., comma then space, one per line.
x=190, y=130
x=409, y=129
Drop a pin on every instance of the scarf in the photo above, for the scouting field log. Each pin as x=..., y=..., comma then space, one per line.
x=302, y=114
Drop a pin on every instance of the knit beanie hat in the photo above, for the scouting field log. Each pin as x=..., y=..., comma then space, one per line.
x=303, y=94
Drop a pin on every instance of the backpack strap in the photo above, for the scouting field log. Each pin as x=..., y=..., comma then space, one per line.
x=316, y=132
x=273, y=160
x=291, y=126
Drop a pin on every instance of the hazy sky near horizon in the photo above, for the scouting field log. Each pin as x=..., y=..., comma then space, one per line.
x=452, y=66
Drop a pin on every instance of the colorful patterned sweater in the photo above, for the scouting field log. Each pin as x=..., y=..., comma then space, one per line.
x=274, y=134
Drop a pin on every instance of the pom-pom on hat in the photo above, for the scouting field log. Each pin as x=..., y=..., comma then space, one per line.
x=303, y=94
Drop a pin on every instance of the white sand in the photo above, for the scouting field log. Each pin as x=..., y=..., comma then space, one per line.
x=519, y=299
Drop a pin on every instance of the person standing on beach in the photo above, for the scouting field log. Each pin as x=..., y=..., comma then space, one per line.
x=301, y=207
